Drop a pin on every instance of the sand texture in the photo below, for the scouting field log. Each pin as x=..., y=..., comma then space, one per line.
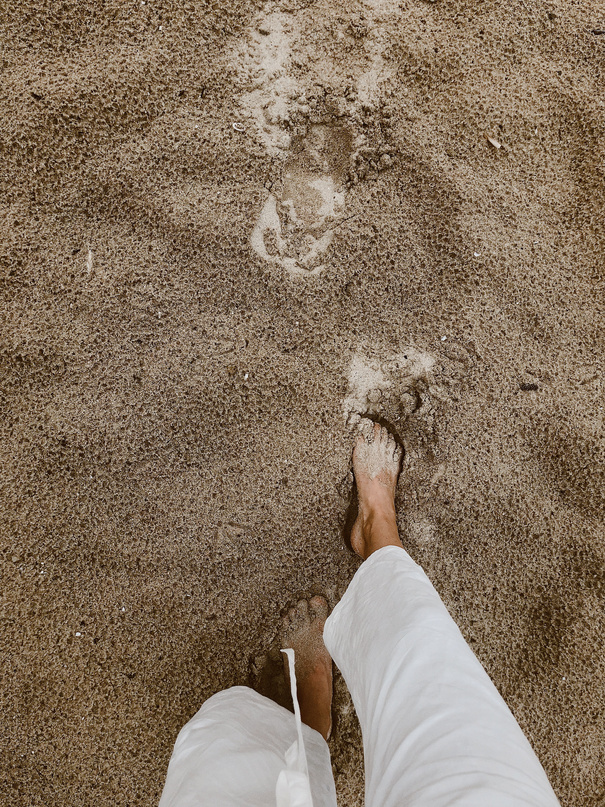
x=227, y=231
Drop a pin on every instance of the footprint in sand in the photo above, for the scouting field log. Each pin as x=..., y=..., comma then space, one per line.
x=280, y=70
x=410, y=382
x=391, y=388
x=296, y=224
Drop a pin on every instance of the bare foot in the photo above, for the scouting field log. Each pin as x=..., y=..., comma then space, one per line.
x=302, y=630
x=376, y=465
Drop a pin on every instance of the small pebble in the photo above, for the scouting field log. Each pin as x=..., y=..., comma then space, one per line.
x=78, y=633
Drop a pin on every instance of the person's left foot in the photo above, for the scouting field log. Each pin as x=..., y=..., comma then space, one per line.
x=302, y=630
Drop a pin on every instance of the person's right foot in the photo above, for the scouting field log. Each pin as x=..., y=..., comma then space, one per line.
x=376, y=465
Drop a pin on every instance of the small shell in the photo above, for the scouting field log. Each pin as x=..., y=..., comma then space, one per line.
x=238, y=127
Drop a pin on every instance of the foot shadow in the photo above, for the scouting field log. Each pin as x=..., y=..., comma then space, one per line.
x=350, y=518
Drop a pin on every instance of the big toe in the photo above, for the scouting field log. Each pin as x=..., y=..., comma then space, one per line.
x=366, y=430
x=319, y=609
x=380, y=434
x=300, y=614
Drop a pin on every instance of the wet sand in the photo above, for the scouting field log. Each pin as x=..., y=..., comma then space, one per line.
x=228, y=231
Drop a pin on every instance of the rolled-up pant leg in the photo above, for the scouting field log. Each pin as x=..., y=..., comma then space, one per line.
x=230, y=754
x=436, y=732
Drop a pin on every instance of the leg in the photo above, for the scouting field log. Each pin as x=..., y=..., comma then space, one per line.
x=232, y=751
x=436, y=731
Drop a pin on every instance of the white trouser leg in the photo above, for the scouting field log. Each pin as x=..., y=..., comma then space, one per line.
x=231, y=753
x=436, y=732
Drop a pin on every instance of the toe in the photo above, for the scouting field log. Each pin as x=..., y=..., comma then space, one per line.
x=365, y=430
x=361, y=440
x=302, y=612
x=318, y=606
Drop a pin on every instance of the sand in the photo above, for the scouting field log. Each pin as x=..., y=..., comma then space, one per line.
x=227, y=231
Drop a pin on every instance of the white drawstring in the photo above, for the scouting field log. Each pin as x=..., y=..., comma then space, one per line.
x=293, y=789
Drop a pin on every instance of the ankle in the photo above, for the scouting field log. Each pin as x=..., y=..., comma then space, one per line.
x=376, y=515
x=378, y=529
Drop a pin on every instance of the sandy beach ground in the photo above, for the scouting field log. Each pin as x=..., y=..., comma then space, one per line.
x=227, y=230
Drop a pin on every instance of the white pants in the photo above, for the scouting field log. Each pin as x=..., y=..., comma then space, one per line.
x=436, y=732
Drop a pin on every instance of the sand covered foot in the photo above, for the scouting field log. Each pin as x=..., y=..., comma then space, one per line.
x=302, y=630
x=376, y=465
